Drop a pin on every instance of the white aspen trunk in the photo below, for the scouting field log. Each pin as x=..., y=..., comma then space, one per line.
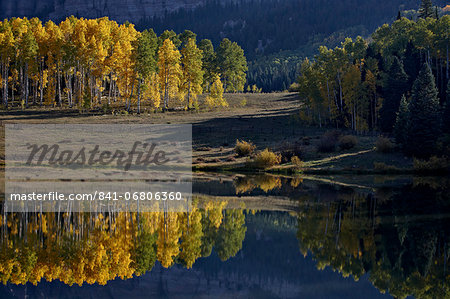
x=58, y=71
x=5, y=88
x=340, y=91
x=110, y=88
x=166, y=93
x=189, y=94
x=99, y=91
x=116, y=90
x=21, y=85
x=131, y=95
x=12, y=90
x=68, y=79
x=91, y=87
x=139, y=97
x=26, y=84
x=35, y=91
x=41, y=87
x=329, y=101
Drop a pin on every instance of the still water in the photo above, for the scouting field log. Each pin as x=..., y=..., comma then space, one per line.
x=246, y=236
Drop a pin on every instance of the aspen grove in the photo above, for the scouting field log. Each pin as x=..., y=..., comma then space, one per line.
x=90, y=63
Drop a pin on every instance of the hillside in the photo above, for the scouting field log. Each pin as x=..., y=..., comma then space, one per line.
x=120, y=11
x=275, y=35
x=259, y=26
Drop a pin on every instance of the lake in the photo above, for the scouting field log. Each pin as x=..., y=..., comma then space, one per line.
x=245, y=235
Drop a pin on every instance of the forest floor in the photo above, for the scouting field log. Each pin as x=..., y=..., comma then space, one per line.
x=267, y=120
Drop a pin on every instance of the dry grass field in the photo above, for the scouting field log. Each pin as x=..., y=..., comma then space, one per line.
x=267, y=120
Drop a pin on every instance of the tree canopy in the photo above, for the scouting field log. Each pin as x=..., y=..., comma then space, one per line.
x=93, y=63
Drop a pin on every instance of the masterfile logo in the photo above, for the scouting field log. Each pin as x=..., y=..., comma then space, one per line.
x=114, y=162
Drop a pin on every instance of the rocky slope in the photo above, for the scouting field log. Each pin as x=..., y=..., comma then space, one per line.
x=119, y=10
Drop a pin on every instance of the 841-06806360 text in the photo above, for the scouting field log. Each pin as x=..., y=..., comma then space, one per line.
x=97, y=195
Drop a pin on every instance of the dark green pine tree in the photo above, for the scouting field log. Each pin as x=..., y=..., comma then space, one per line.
x=411, y=63
x=426, y=9
x=185, y=36
x=232, y=65
x=396, y=85
x=145, y=59
x=446, y=114
x=424, y=115
x=399, y=15
x=208, y=63
x=402, y=123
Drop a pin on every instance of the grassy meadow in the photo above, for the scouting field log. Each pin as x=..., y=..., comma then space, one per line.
x=267, y=120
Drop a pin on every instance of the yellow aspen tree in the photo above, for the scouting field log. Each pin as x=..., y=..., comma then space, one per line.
x=215, y=212
x=69, y=56
x=168, y=238
x=54, y=43
x=40, y=36
x=18, y=28
x=80, y=42
x=170, y=71
x=192, y=72
x=102, y=33
x=26, y=46
x=126, y=76
x=215, y=97
x=111, y=62
x=152, y=92
x=7, y=44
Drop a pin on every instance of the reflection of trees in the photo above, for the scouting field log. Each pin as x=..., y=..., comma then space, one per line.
x=231, y=234
x=96, y=248
x=263, y=182
x=402, y=242
x=211, y=223
x=266, y=183
x=191, y=239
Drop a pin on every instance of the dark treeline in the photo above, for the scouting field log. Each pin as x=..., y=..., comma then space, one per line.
x=274, y=72
x=268, y=27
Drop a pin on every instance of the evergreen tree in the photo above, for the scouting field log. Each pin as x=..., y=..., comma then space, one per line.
x=426, y=9
x=399, y=15
x=232, y=65
x=402, y=123
x=186, y=36
x=145, y=59
x=208, y=62
x=146, y=53
x=231, y=234
x=396, y=85
x=411, y=63
x=169, y=34
x=424, y=120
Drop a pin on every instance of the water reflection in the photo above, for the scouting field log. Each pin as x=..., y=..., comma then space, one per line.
x=95, y=248
x=393, y=231
x=400, y=236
